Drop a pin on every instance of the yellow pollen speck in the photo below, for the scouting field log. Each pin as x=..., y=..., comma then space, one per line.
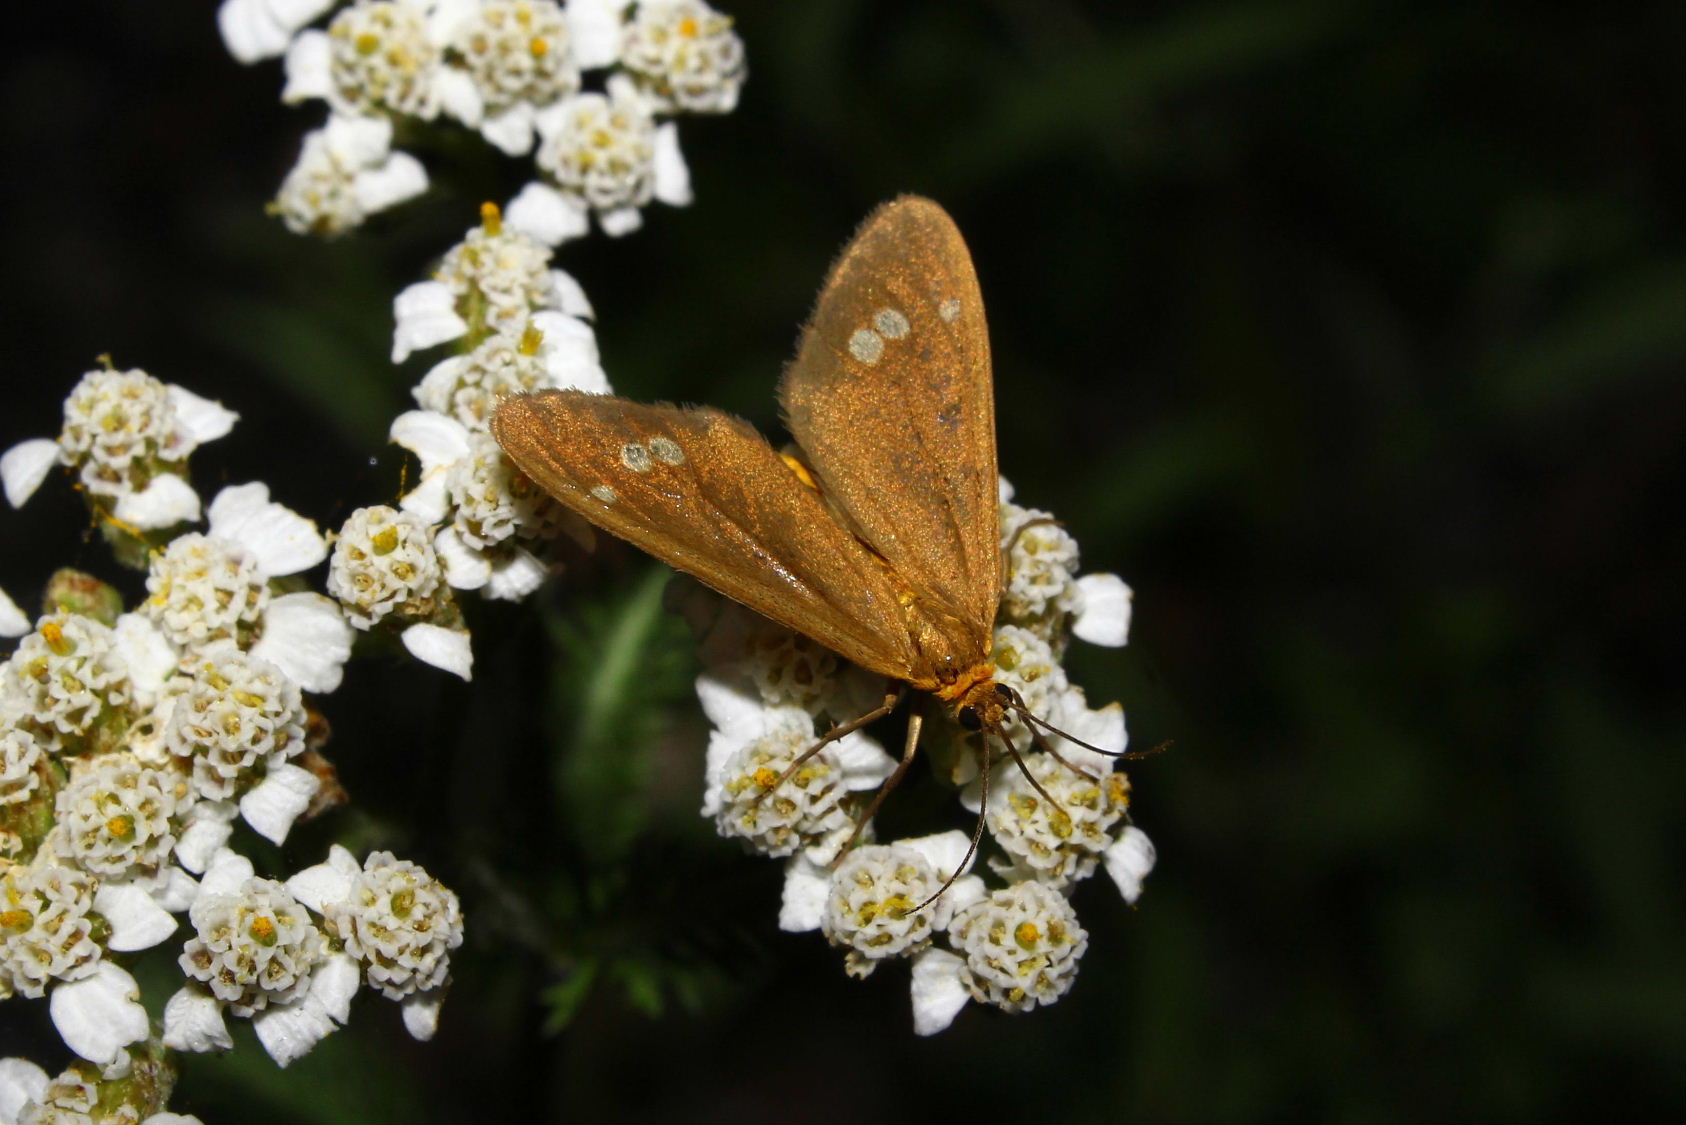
x=766, y=778
x=800, y=470
x=262, y=930
x=688, y=27
x=15, y=921
x=531, y=338
x=367, y=43
x=491, y=219
x=539, y=47
x=384, y=541
x=53, y=633
x=1026, y=935
x=121, y=827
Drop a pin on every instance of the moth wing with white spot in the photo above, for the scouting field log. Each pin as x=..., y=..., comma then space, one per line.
x=706, y=494
x=890, y=398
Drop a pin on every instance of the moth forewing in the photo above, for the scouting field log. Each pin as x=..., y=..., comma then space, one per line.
x=706, y=494
x=891, y=401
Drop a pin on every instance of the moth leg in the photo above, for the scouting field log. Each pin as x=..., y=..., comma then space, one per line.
x=914, y=722
x=891, y=700
x=1007, y=551
x=977, y=829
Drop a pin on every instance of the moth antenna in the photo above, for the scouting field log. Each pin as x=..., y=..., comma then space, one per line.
x=977, y=829
x=891, y=700
x=1047, y=748
x=1018, y=707
x=1030, y=777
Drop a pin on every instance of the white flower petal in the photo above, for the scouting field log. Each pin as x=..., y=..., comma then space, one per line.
x=174, y=890
x=328, y=882
x=137, y=922
x=1003, y=489
x=308, y=638
x=399, y=178
x=193, y=1022
x=965, y=891
x=595, y=27
x=943, y=851
x=806, y=886
x=465, y=568
x=672, y=178
x=516, y=574
x=938, y=990
x=99, y=1015
x=448, y=649
x=1105, y=615
x=510, y=131
x=251, y=32
x=282, y=541
x=437, y=441
x=334, y=983
x=208, y=827
x=460, y=98
x=13, y=621
x=569, y=352
x=24, y=466
x=296, y=13
x=424, y=315
x=21, y=1082
x=569, y=295
x=541, y=212
x=1129, y=860
x=165, y=502
x=865, y=763
x=619, y=221
x=200, y=418
x=228, y=871
x=309, y=68
x=421, y=1013
x=275, y=802
x=145, y=650
x=361, y=140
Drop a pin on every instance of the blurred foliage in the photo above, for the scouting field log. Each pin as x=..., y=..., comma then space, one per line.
x=1350, y=333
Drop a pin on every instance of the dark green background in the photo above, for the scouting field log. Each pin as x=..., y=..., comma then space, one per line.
x=1349, y=333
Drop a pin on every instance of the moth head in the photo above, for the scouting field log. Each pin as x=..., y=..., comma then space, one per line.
x=986, y=706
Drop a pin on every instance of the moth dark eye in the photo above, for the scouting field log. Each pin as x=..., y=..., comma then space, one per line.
x=1004, y=693
x=969, y=718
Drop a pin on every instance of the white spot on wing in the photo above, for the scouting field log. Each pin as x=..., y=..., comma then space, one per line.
x=891, y=324
x=866, y=345
x=635, y=457
x=666, y=449
x=949, y=309
x=606, y=494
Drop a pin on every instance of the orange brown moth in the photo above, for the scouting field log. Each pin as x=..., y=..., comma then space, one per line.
x=879, y=536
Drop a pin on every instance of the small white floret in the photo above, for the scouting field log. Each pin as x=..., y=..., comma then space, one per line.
x=275, y=803
x=672, y=183
x=446, y=649
x=1104, y=616
x=99, y=1015
x=193, y=1022
x=939, y=990
x=24, y=466
x=1129, y=861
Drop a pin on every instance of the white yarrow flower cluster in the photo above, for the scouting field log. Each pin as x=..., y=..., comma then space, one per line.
x=588, y=87
x=771, y=694
x=128, y=436
x=132, y=742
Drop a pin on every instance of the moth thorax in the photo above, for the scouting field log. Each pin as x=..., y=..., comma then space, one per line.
x=985, y=705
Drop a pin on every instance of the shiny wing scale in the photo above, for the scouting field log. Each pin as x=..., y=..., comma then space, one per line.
x=890, y=398
x=706, y=494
